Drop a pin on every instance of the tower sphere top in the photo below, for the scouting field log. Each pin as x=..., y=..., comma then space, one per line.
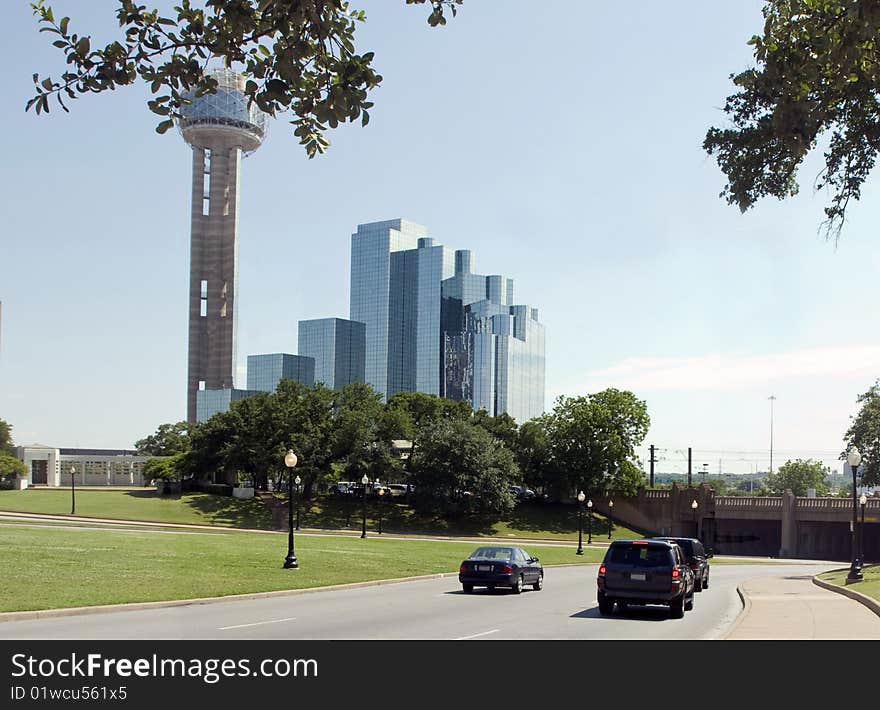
x=224, y=116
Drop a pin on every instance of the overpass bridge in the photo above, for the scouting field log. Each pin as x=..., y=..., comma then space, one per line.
x=784, y=526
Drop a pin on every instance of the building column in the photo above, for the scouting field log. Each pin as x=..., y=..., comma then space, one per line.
x=788, y=547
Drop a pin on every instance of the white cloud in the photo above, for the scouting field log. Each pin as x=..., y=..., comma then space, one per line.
x=725, y=372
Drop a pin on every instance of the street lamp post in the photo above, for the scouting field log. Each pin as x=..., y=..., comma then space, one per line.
x=863, y=501
x=290, y=561
x=590, y=522
x=381, y=492
x=854, y=458
x=610, y=522
x=297, y=481
x=365, y=480
x=72, y=490
x=694, y=507
x=580, y=500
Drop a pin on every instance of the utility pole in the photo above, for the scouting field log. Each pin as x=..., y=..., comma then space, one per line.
x=772, y=399
x=690, y=464
x=652, y=465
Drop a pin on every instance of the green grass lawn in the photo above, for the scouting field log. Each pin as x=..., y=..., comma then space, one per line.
x=538, y=521
x=870, y=585
x=146, y=504
x=47, y=568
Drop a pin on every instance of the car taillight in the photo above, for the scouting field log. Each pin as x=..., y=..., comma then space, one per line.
x=463, y=568
x=506, y=569
x=602, y=570
x=675, y=573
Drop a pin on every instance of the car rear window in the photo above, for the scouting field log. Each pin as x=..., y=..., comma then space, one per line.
x=640, y=555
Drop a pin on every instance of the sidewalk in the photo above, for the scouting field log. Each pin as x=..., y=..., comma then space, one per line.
x=795, y=608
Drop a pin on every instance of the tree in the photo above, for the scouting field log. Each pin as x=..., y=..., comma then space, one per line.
x=532, y=451
x=417, y=412
x=6, y=445
x=168, y=440
x=299, y=57
x=503, y=426
x=592, y=439
x=799, y=476
x=818, y=71
x=11, y=466
x=462, y=469
x=864, y=432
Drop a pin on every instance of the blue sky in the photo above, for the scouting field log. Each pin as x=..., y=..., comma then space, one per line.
x=560, y=142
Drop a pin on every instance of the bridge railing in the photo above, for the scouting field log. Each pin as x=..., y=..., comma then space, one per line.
x=747, y=503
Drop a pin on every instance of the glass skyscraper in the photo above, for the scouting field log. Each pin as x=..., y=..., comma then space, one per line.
x=264, y=372
x=371, y=248
x=211, y=402
x=337, y=347
x=493, y=350
x=432, y=325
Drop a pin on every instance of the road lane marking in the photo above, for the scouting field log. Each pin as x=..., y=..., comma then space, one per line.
x=473, y=636
x=256, y=623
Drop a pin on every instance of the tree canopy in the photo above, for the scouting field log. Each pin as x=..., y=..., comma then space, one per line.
x=864, y=433
x=818, y=72
x=798, y=476
x=169, y=439
x=6, y=445
x=299, y=58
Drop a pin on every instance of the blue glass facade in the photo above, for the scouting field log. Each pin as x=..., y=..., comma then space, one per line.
x=371, y=248
x=264, y=372
x=493, y=350
x=337, y=347
x=414, y=317
x=211, y=402
x=432, y=325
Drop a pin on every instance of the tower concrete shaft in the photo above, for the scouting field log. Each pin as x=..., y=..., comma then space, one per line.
x=213, y=282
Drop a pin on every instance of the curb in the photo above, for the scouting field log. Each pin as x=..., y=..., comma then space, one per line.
x=138, y=606
x=747, y=607
x=869, y=602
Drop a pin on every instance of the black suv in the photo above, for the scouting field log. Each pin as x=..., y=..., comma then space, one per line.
x=697, y=557
x=645, y=572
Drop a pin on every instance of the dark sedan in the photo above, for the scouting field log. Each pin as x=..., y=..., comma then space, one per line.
x=493, y=566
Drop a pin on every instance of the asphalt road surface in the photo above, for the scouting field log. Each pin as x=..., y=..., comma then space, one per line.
x=431, y=609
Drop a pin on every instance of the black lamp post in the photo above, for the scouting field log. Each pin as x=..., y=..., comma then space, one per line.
x=694, y=506
x=365, y=480
x=72, y=490
x=854, y=458
x=610, y=522
x=590, y=522
x=580, y=500
x=381, y=492
x=863, y=501
x=290, y=561
x=297, y=481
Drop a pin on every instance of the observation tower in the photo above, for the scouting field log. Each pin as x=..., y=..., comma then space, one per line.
x=221, y=128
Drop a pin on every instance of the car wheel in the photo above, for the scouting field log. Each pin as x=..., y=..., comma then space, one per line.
x=539, y=583
x=698, y=584
x=468, y=588
x=676, y=608
x=689, y=602
x=518, y=587
x=606, y=606
x=706, y=583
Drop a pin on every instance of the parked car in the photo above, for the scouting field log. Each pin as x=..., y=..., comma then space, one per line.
x=343, y=488
x=396, y=490
x=645, y=572
x=696, y=556
x=521, y=492
x=493, y=566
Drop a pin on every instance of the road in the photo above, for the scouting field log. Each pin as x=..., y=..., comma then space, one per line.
x=429, y=609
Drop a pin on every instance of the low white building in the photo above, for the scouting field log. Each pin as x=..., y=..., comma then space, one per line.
x=50, y=466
